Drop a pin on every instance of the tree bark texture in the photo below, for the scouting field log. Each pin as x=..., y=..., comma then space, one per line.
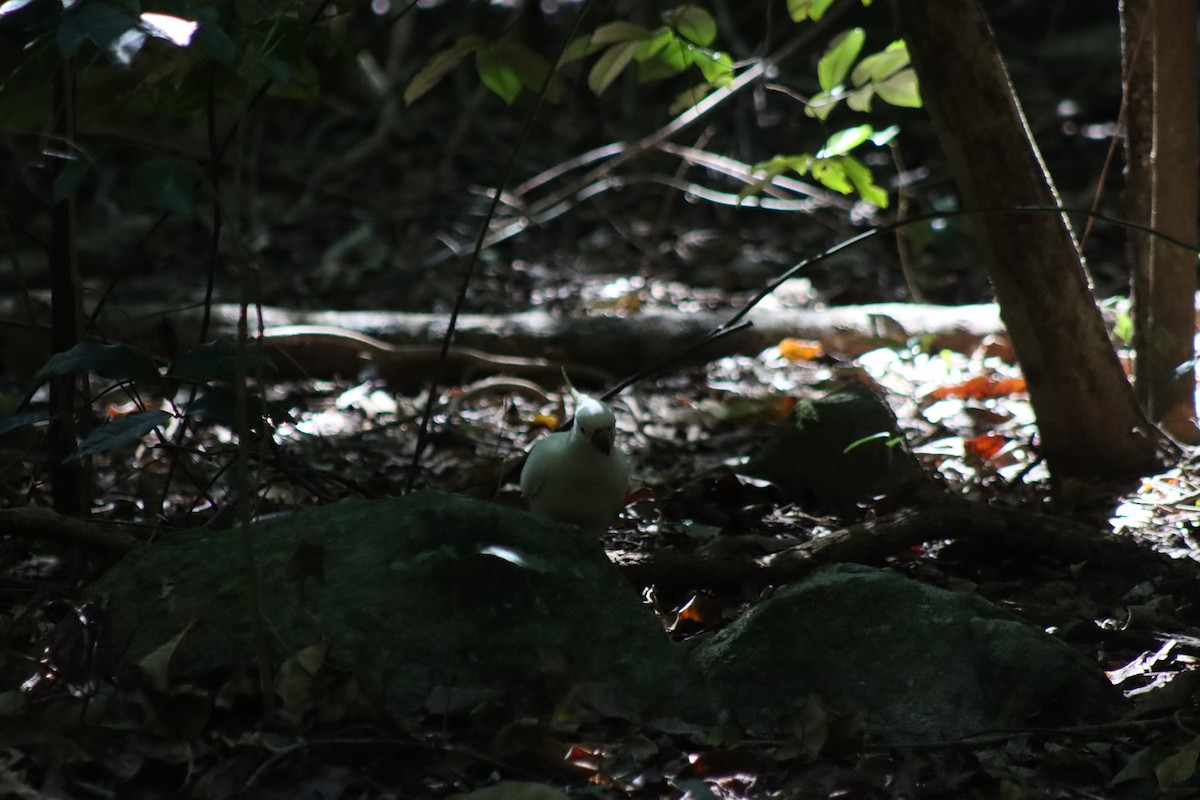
x=1159, y=71
x=1088, y=417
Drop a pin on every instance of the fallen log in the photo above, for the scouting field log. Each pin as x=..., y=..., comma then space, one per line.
x=325, y=343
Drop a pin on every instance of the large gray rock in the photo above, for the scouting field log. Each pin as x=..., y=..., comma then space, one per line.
x=422, y=596
x=919, y=661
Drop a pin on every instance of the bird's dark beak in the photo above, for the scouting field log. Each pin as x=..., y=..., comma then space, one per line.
x=602, y=440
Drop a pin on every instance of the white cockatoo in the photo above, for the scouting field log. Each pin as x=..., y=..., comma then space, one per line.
x=579, y=476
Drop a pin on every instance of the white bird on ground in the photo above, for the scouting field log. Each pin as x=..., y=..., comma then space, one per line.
x=579, y=476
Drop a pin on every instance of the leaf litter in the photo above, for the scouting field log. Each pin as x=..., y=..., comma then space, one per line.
x=969, y=421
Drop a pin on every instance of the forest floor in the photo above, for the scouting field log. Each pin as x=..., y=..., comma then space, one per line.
x=965, y=415
x=332, y=233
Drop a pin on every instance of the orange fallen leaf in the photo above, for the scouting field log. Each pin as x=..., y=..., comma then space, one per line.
x=984, y=447
x=800, y=350
x=782, y=407
x=983, y=387
x=545, y=421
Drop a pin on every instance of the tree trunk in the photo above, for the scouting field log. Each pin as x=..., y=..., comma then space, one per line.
x=1160, y=75
x=1089, y=420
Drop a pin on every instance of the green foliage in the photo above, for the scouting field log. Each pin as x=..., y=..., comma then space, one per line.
x=116, y=362
x=506, y=67
x=832, y=165
x=121, y=431
x=684, y=41
x=204, y=367
x=885, y=74
x=800, y=10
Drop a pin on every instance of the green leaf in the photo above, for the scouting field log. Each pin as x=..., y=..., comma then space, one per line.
x=1177, y=769
x=864, y=183
x=692, y=23
x=216, y=43
x=900, y=90
x=882, y=65
x=671, y=60
x=116, y=362
x=517, y=558
x=773, y=168
x=688, y=98
x=844, y=141
x=167, y=184
x=497, y=75
x=121, y=431
x=17, y=421
x=840, y=54
x=800, y=10
x=831, y=174
x=821, y=105
x=717, y=68
x=530, y=68
x=580, y=47
x=860, y=99
x=860, y=442
x=880, y=138
x=609, y=65
x=800, y=164
x=618, y=32
x=439, y=66
x=655, y=44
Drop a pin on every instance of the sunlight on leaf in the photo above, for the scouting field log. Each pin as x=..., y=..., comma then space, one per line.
x=860, y=99
x=717, y=68
x=655, y=44
x=884, y=435
x=497, y=75
x=176, y=30
x=693, y=23
x=882, y=65
x=610, y=65
x=800, y=350
x=842, y=51
x=844, y=141
x=530, y=68
x=821, y=104
x=800, y=10
x=831, y=172
x=864, y=183
x=901, y=90
x=9, y=6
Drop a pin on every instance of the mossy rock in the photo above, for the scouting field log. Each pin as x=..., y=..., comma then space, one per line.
x=839, y=452
x=920, y=662
x=425, y=595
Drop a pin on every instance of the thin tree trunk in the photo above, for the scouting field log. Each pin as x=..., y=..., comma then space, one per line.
x=66, y=471
x=1160, y=77
x=1088, y=417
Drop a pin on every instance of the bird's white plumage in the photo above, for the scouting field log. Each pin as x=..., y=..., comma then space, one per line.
x=578, y=476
